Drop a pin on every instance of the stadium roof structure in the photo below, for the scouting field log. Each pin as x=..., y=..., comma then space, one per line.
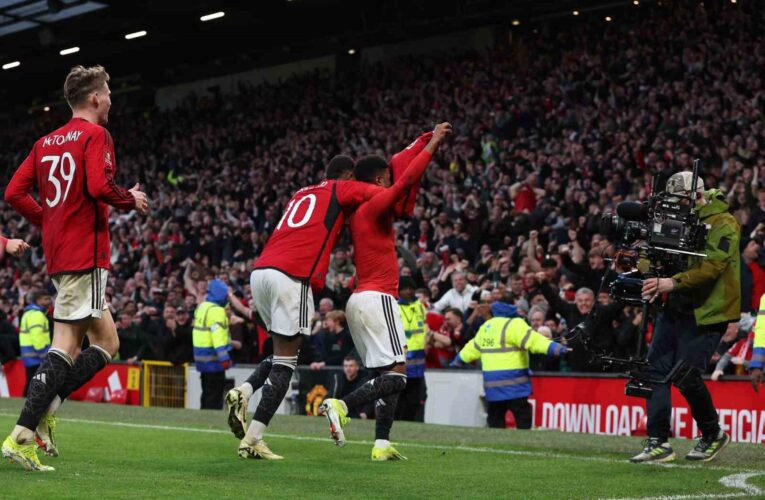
x=20, y=15
x=42, y=39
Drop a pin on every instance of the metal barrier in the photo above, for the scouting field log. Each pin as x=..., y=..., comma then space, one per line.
x=164, y=384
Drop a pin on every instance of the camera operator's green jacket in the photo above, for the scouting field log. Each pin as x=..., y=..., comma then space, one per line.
x=714, y=282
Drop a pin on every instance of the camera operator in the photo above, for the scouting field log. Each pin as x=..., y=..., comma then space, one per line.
x=711, y=288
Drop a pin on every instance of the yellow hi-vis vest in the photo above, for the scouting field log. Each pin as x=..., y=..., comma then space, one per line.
x=34, y=336
x=210, y=338
x=503, y=346
x=413, y=317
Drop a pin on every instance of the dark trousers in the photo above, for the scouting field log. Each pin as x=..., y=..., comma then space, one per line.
x=676, y=337
x=411, y=402
x=521, y=411
x=31, y=370
x=213, y=384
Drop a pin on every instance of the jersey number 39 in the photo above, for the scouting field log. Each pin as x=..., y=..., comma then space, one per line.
x=66, y=172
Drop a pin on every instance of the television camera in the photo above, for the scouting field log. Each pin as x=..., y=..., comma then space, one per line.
x=660, y=236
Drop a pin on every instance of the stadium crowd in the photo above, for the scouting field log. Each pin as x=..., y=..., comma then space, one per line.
x=551, y=131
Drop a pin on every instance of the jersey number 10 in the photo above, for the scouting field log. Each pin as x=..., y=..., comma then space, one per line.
x=67, y=174
x=292, y=210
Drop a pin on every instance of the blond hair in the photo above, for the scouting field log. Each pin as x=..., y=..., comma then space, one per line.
x=81, y=82
x=337, y=316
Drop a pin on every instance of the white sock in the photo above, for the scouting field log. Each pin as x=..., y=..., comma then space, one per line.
x=345, y=406
x=54, y=405
x=382, y=443
x=246, y=389
x=22, y=435
x=254, y=432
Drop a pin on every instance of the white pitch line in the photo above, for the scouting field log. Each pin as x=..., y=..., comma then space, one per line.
x=469, y=449
x=739, y=481
x=735, y=481
x=689, y=496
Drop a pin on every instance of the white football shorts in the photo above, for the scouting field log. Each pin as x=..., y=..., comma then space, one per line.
x=80, y=295
x=284, y=303
x=374, y=319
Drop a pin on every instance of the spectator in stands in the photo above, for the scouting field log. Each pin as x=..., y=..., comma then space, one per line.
x=428, y=265
x=757, y=216
x=442, y=344
x=518, y=294
x=325, y=305
x=739, y=356
x=537, y=316
x=178, y=346
x=629, y=330
x=348, y=383
x=752, y=273
x=333, y=343
x=340, y=263
x=589, y=275
x=459, y=296
x=599, y=323
x=525, y=193
x=164, y=331
x=135, y=343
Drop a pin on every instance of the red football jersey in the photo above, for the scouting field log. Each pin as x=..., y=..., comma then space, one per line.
x=398, y=164
x=73, y=168
x=372, y=232
x=305, y=235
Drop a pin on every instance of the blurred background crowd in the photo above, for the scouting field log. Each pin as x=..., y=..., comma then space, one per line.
x=551, y=131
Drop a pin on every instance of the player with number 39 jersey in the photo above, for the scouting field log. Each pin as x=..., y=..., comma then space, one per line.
x=73, y=169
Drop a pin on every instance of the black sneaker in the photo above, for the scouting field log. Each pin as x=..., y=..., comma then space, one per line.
x=654, y=450
x=708, y=448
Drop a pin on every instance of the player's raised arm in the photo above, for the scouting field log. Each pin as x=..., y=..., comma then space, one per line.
x=100, y=165
x=412, y=175
x=399, y=163
x=18, y=193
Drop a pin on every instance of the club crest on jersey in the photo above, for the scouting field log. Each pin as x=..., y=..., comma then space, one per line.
x=108, y=158
x=59, y=139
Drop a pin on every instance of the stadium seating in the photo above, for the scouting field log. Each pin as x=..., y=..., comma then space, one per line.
x=595, y=114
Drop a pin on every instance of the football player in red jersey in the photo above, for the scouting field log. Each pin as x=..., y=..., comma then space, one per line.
x=294, y=261
x=373, y=315
x=73, y=170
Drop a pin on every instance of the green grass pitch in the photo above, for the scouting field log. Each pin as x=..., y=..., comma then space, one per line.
x=129, y=452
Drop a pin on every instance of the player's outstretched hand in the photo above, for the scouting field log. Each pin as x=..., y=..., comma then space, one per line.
x=141, y=201
x=16, y=247
x=442, y=131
